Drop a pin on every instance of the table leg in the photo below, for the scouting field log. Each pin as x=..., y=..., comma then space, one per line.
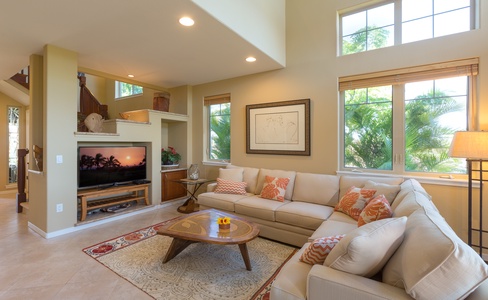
x=177, y=245
x=245, y=256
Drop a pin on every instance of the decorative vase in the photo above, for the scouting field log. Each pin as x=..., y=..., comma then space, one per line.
x=193, y=172
x=224, y=226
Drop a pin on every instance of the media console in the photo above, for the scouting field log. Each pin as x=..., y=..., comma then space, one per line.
x=91, y=199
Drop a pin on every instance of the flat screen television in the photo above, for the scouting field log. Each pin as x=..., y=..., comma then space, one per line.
x=104, y=166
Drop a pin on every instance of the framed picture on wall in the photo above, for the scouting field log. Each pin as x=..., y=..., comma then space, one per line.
x=279, y=128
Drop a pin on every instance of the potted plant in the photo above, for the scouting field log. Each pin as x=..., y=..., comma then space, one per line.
x=169, y=156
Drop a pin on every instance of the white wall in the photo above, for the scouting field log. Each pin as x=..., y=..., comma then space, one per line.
x=262, y=23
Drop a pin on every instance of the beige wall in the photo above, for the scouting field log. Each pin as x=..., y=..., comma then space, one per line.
x=312, y=71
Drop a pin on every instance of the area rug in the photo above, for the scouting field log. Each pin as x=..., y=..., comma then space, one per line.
x=201, y=271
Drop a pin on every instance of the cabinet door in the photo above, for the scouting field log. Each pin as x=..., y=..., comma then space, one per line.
x=169, y=189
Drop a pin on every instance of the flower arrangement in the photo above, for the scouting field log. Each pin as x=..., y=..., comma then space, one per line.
x=224, y=223
x=170, y=156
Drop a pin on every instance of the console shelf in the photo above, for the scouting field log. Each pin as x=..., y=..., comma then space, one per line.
x=98, y=198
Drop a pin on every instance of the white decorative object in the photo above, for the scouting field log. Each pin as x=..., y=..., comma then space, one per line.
x=193, y=172
x=94, y=122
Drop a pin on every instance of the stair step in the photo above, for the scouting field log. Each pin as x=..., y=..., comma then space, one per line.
x=25, y=205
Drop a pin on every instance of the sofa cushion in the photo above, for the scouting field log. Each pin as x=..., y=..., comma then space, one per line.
x=258, y=207
x=390, y=191
x=377, y=209
x=411, y=202
x=230, y=187
x=220, y=201
x=291, y=281
x=354, y=201
x=232, y=174
x=433, y=262
x=276, y=173
x=250, y=175
x=342, y=217
x=364, y=251
x=302, y=214
x=406, y=187
x=331, y=227
x=274, y=188
x=347, y=181
x=318, y=250
x=316, y=188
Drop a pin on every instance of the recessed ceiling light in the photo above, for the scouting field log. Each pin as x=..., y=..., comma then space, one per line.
x=187, y=21
x=251, y=59
x=130, y=75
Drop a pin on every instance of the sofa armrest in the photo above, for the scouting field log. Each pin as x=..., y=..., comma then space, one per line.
x=327, y=283
x=211, y=187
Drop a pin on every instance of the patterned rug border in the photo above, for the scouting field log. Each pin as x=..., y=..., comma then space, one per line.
x=100, y=249
x=111, y=245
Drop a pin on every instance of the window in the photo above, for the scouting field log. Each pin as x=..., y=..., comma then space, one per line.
x=403, y=21
x=13, y=142
x=402, y=121
x=123, y=89
x=218, y=124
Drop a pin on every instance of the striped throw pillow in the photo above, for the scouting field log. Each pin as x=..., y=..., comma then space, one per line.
x=230, y=187
x=318, y=250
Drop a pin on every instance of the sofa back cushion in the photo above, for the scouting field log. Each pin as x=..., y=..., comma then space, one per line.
x=433, y=262
x=347, y=181
x=250, y=176
x=411, y=202
x=279, y=174
x=406, y=187
x=316, y=188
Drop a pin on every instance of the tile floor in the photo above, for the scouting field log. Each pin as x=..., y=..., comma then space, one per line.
x=32, y=267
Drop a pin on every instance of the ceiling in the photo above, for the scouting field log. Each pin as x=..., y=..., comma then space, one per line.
x=122, y=37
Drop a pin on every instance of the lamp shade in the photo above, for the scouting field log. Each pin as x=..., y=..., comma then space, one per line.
x=470, y=144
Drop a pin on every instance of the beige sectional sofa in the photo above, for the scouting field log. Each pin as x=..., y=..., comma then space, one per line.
x=426, y=261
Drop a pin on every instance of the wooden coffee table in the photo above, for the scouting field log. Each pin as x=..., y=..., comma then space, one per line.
x=202, y=227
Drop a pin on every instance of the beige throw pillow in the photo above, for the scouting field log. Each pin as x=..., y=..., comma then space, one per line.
x=231, y=174
x=365, y=250
x=388, y=190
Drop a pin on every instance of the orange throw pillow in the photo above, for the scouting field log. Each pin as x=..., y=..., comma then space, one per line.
x=377, y=209
x=318, y=250
x=274, y=188
x=354, y=201
x=230, y=187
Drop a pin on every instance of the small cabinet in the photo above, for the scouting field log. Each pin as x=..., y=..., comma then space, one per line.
x=170, y=189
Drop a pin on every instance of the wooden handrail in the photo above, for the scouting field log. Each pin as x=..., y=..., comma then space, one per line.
x=88, y=103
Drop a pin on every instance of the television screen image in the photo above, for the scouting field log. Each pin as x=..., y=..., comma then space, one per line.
x=110, y=165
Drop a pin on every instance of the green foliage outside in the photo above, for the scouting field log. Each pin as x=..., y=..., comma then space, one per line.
x=368, y=136
x=365, y=39
x=220, y=131
x=127, y=89
x=368, y=132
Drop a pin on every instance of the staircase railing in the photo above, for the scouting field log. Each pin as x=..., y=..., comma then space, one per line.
x=88, y=103
x=22, y=78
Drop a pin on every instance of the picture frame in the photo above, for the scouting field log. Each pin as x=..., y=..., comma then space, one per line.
x=278, y=128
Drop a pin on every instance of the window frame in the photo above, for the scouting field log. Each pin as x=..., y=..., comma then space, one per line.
x=467, y=67
x=208, y=102
x=398, y=23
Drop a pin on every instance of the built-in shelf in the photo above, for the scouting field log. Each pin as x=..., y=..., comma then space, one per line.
x=95, y=134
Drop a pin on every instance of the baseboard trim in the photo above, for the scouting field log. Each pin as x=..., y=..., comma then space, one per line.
x=88, y=225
